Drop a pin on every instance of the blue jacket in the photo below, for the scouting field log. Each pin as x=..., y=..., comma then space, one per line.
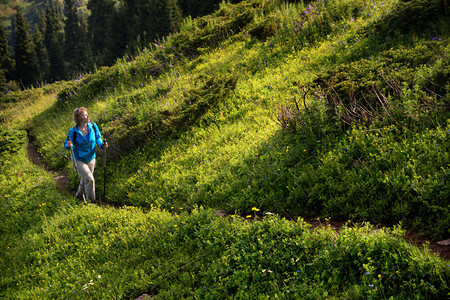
x=84, y=147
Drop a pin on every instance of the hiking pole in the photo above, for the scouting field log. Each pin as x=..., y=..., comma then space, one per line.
x=104, y=172
x=75, y=165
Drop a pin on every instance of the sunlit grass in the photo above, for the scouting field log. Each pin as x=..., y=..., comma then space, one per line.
x=20, y=113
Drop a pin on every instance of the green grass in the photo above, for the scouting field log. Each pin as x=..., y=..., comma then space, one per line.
x=255, y=122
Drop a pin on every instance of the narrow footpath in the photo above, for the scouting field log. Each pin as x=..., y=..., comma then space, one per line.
x=59, y=176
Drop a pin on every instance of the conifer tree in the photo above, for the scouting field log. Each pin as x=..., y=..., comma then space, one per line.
x=41, y=23
x=39, y=43
x=140, y=31
x=41, y=54
x=154, y=19
x=6, y=62
x=195, y=8
x=26, y=70
x=72, y=34
x=129, y=10
x=83, y=59
x=159, y=26
x=54, y=41
x=174, y=14
x=101, y=12
x=117, y=36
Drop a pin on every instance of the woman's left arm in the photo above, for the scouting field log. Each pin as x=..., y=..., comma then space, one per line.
x=98, y=136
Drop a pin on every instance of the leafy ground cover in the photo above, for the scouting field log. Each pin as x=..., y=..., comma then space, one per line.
x=317, y=109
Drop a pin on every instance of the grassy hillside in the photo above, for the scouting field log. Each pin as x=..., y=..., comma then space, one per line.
x=329, y=109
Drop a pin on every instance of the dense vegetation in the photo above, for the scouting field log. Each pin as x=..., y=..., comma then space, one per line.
x=269, y=110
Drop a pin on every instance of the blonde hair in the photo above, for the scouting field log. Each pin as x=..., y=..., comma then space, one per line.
x=77, y=113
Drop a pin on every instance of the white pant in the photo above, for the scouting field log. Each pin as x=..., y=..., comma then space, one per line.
x=87, y=183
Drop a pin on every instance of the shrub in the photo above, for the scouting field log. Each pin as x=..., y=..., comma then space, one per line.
x=400, y=86
x=11, y=140
x=153, y=122
x=311, y=123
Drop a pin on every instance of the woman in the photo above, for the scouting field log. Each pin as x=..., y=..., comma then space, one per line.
x=82, y=139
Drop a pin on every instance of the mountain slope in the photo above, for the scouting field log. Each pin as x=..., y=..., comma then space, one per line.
x=215, y=81
x=322, y=109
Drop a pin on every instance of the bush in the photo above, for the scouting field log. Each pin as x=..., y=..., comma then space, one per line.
x=11, y=140
x=401, y=86
x=142, y=120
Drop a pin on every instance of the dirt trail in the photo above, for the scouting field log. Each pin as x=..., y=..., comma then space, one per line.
x=59, y=176
x=440, y=247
